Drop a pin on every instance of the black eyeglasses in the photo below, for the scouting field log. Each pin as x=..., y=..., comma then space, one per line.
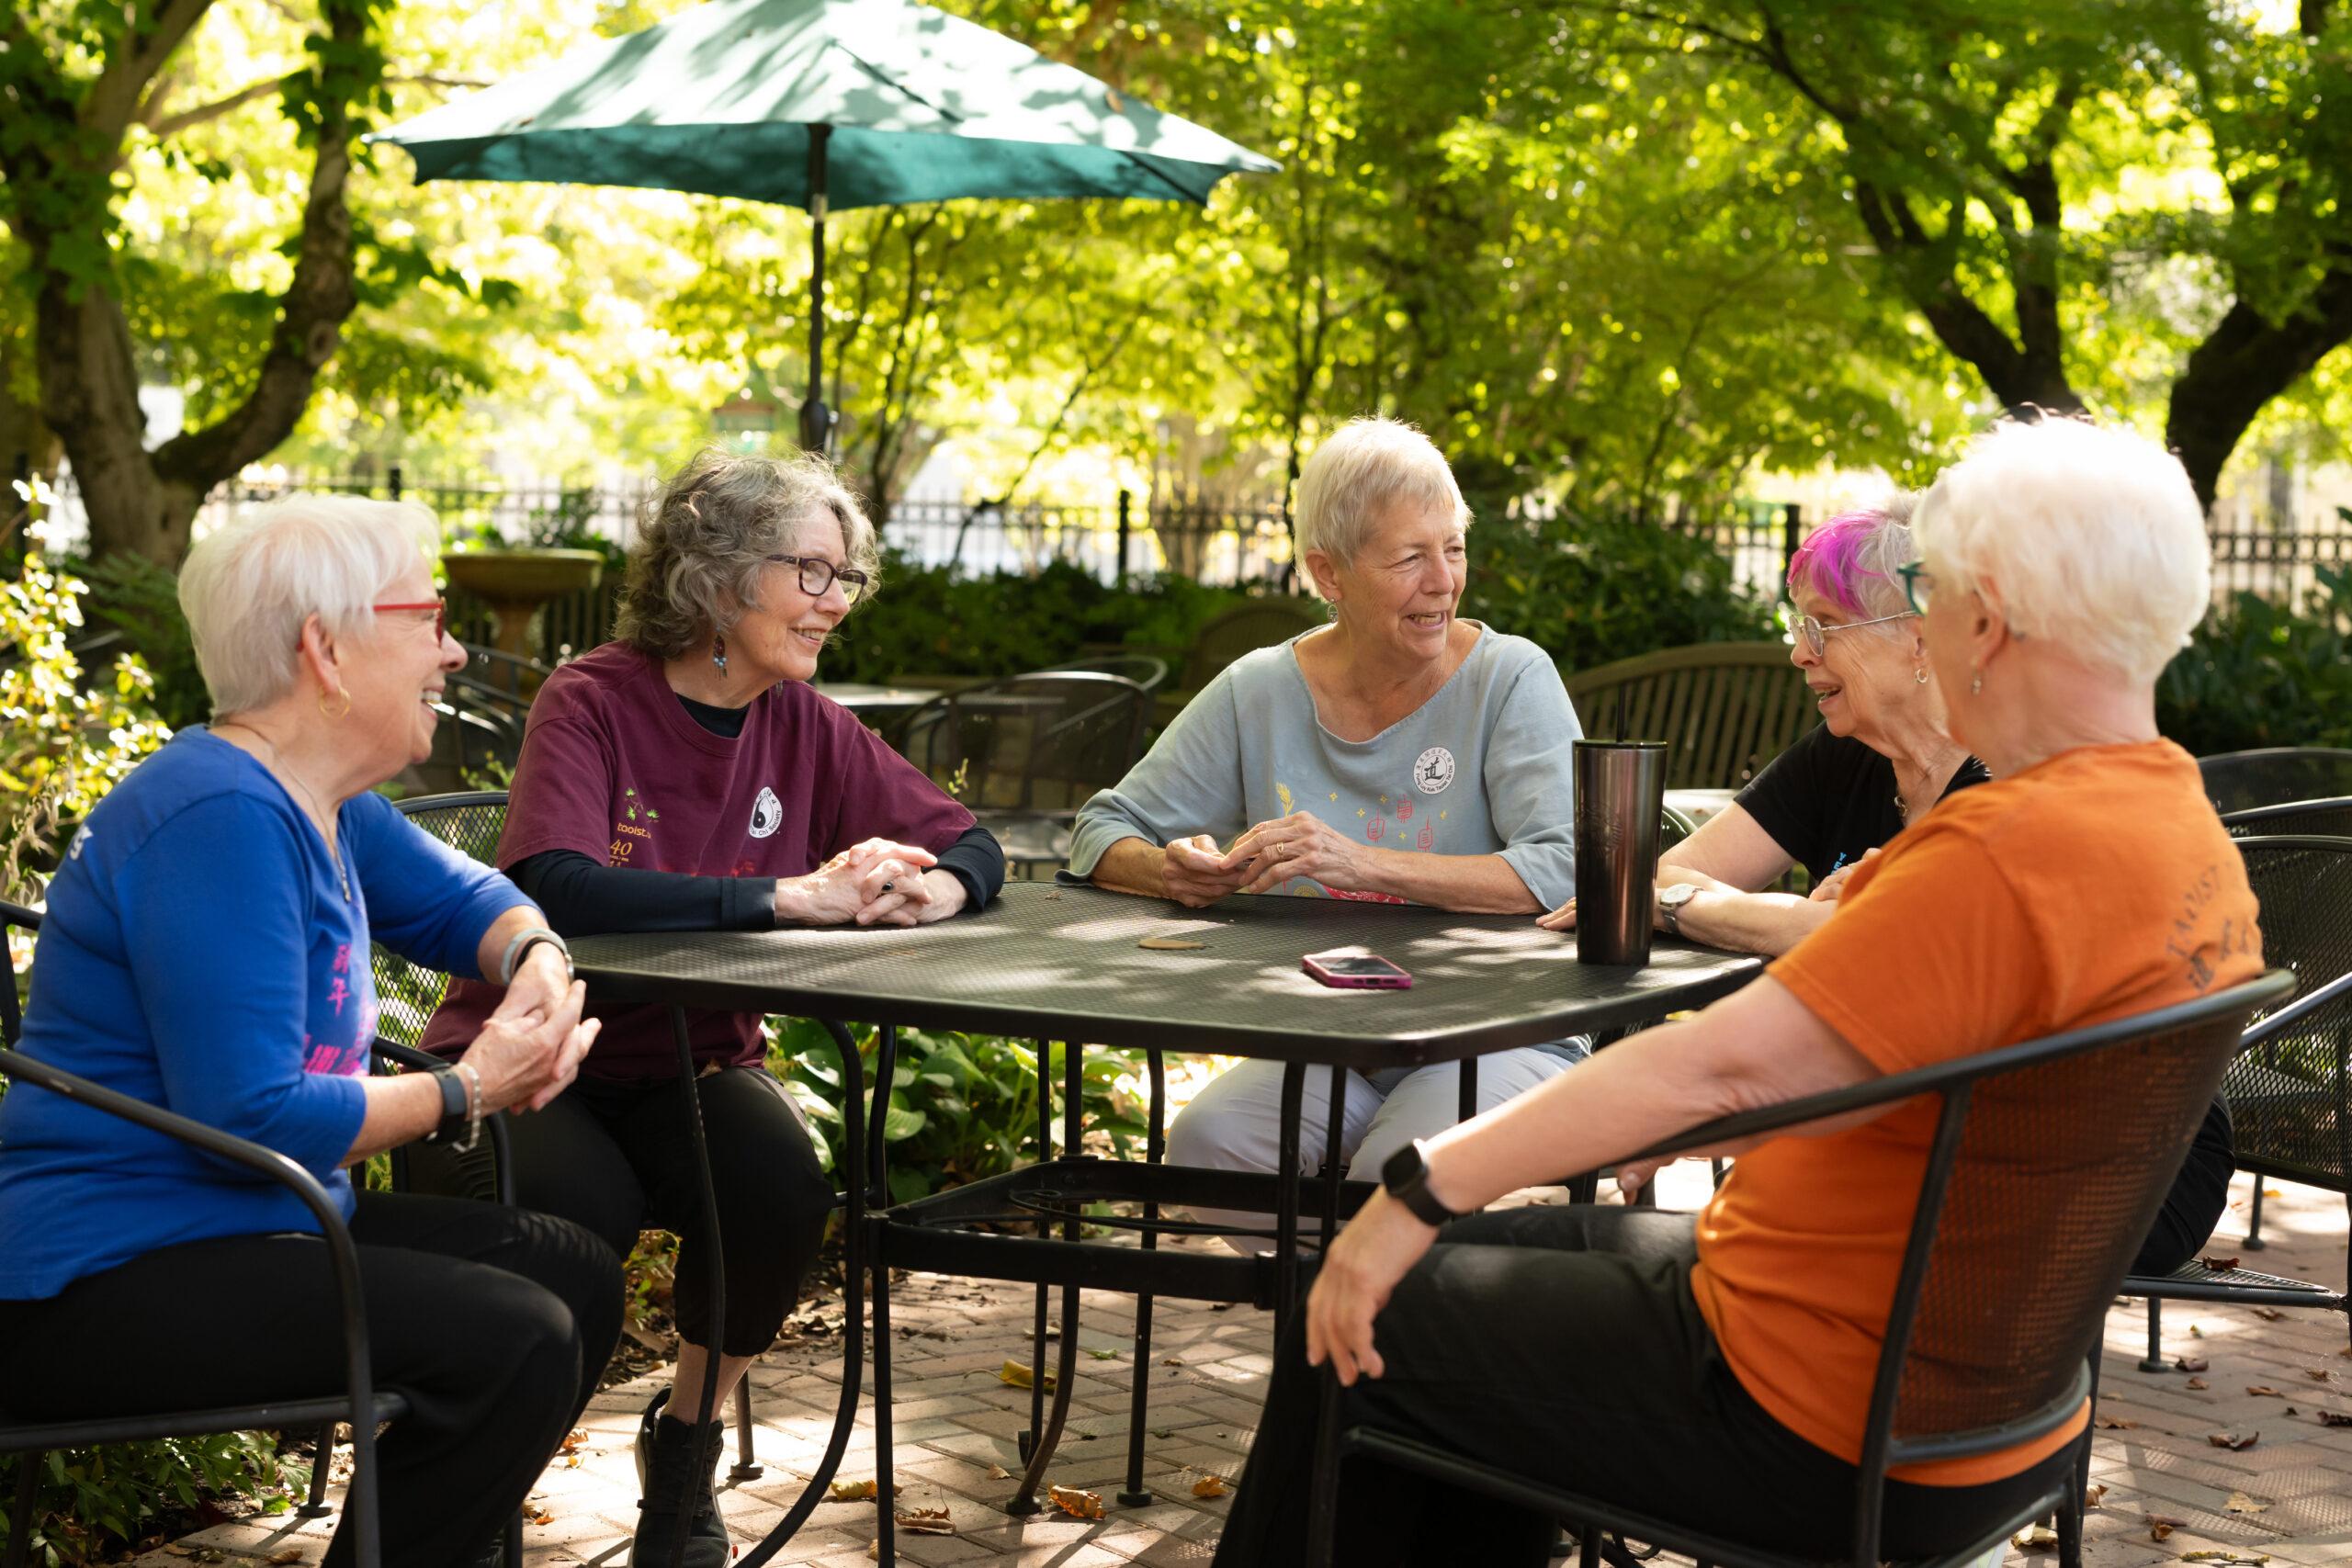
x=817, y=574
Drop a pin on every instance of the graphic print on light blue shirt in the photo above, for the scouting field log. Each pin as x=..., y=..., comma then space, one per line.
x=199, y=953
x=1481, y=768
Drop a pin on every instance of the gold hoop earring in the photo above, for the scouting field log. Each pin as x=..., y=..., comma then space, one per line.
x=1919, y=674
x=335, y=713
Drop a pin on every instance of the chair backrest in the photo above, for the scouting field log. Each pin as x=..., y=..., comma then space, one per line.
x=2289, y=1111
x=2329, y=817
x=406, y=994
x=1145, y=670
x=2060, y=1169
x=2238, y=779
x=1724, y=709
x=1261, y=623
x=1042, y=742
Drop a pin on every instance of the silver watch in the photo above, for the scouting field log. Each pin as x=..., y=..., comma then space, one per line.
x=1670, y=905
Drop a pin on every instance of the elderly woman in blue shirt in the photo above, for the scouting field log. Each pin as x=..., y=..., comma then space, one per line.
x=206, y=950
x=1400, y=754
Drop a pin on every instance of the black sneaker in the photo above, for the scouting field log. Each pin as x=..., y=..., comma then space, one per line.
x=677, y=1469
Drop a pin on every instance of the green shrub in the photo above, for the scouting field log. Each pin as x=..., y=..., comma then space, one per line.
x=141, y=600
x=90, y=1504
x=961, y=1106
x=1591, y=590
x=2258, y=674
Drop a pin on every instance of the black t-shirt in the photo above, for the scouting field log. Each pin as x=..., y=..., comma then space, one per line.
x=1829, y=798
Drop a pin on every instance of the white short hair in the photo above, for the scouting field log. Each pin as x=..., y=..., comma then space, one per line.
x=249, y=584
x=2091, y=534
x=1368, y=466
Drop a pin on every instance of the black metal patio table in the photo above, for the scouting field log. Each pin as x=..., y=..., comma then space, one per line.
x=1062, y=963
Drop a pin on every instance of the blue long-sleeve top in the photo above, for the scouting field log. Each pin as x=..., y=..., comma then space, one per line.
x=199, y=953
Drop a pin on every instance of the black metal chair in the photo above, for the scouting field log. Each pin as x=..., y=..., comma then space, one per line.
x=2291, y=1105
x=1994, y=1314
x=2328, y=818
x=1025, y=753
x=1145, y=670
x=33, y=1439
x=2237, y=781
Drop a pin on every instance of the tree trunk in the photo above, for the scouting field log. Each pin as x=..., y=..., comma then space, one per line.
x=90, y=398
x=2243, y=364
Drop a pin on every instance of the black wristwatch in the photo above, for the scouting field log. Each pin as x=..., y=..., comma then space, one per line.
x=1405, y=1175
x=454, y=1105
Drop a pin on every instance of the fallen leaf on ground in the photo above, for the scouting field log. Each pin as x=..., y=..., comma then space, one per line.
x=1170, y=944
x=1171, y=1360
x=2335, y=1418
x=2268, y=1314
x=2035, y=1538
x=998, y=1472
x=2190, y=1363
x=2098, y=1490
x=285, y=1554
x=1020, y=1376
x=2197, y=1331
x=1209, y=1487
x=2319, y=1374
x=573, y=1439
x=2115, y=1424
x=1104, y=1355
x=2199, y=1382
x=873, y=1549
x=2219, y=1265
x=2263, y=1390
x=2272, y=1193
x=2240, y=1503
x=2162, y=1525
x=1077, y=1504
x=2231, y=1441
x=854, y=1491
x=2250, y=1559
x=925, y=1522
x=537, y=1514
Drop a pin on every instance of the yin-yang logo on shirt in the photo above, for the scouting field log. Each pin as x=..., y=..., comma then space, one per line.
x=767, y=813
x=1433, y=770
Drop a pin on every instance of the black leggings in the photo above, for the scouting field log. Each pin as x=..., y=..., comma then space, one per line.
x=495, y=1323
x=2194, y=1202
x=618, y=1158
x=1564, y=1343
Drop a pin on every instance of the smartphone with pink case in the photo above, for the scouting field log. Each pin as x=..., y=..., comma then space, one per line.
x=1355, y=971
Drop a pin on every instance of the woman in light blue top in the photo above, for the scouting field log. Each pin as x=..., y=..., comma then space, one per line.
x=1400, y=754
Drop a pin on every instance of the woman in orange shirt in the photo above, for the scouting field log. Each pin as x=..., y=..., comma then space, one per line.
x=1715, y=1368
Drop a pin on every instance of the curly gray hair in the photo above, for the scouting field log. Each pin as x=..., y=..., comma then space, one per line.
x=704, y=543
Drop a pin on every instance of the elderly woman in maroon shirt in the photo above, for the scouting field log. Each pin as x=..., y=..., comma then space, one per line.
x=685, y=777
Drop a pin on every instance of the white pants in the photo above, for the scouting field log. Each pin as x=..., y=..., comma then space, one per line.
x=1235, y=1122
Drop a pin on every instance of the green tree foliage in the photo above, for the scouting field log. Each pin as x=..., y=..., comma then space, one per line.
x=2053, y=186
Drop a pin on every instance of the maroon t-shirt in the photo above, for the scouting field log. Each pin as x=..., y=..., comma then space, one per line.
x=615, y=769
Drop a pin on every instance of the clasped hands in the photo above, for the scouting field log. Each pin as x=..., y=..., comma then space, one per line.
x=1197, y=874
x=531, y=1047
x=874, y=883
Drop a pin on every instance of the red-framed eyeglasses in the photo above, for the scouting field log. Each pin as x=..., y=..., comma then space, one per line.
x=440, y=608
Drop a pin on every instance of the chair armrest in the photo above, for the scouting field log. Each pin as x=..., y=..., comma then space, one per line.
x=1944, y=1077
x=406, y=1055
x=494, y=1124
x=19, y=915
x=2294, y=1012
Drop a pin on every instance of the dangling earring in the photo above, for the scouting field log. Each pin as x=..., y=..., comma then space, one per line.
x=1976, y=687
x=335, y=713
x=718, y=654
x=1919, y=673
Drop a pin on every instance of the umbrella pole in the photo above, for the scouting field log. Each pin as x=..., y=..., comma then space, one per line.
x=816, y=419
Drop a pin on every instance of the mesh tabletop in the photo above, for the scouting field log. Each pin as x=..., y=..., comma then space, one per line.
x=1062, y=963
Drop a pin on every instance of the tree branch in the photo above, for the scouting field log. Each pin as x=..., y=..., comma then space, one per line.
x=114, y=99
x=2244, y=362
x=166, y=126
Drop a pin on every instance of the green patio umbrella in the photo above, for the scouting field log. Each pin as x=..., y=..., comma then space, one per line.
x=821, y=105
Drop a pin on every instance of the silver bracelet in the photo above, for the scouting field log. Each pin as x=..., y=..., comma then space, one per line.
x=523, y=941
x=473, y=1108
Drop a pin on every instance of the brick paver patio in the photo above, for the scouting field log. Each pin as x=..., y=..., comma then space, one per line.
x=2286, y=1499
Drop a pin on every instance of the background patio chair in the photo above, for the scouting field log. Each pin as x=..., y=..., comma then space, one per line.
x=2238, y=779
x=1261, y=623
x=2291, y=1107
x=2332, y=818
x=1987, y=1344
x=1726, y=708
x=34, y=1439
x=1145, y=670
x=1025, y=753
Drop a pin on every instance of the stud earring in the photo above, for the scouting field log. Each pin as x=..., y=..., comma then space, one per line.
x=1976, y=687
x=718, y=654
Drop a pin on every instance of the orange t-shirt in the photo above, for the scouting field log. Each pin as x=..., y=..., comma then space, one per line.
x=2097, y=883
